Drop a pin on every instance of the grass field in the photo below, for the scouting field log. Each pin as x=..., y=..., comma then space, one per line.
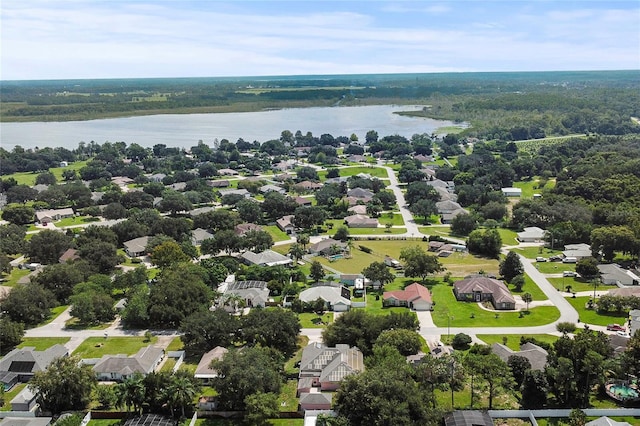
x=12, y=279
x=529, y=287
x=175, y=345
x=590, y=316
x=374, y=171
x=276, y=233
x=530, y=187
x=508, y=237
x=29, y=178
x=577, y=284
x=42, y=343
x=75, y=221
x=311, y=320
x=513, y=340
x=554, y=267
x=464, y=314
x=95, y=347
x=533, y=252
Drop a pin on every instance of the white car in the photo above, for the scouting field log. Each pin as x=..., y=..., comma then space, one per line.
x=569, y=274
x=541, y=259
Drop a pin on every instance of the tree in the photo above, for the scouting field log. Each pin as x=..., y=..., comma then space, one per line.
x=511, y=266
x=29, y=304
x=12, y=239
x=92, y=307
x=463, y=224
x=407, y=342
x=249, y=210
x=317, y=271
x=133, y=392
x=566, y=327
x=424, y=208
x=378, y=272
x=246, y=372
x=181, y=392
x=342, y=233
x=308, y=217
x=18, y=215
x=114, y=211
x=47, y=246
x=204, y=330
x=257, y=240
x=496, y=373
x=461, y=341
x=485, y=242
x=417, y=263
x=587, y=267
x=527, y=298
x=535, y=389
x=261, y=407
x=174, y=202
x=296, y=251
x=167, y=254
x=59, y=279
x=271, y=328
x=518, y=365
x=577, y=417
x=417, y=191
x=65, y=385
x=609, y=239
x=11, y=334
x=307, y=173
x=136, y=311
x=102, y=256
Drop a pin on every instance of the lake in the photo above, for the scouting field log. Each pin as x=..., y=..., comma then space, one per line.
x=185, y=130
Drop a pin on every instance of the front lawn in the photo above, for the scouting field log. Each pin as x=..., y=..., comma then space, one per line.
x=513, y=340
x=469, y=314
x=95, y=347
x=590, y=316
x=508, y=237
x=554, y=267
x=14, y=276
x=577, y=284
x=287, y=398
x=533, y=252
x=42, y=343
x=312, y=320
x=529, y=287
x=395, y=220
x=374, y=171
x=276, y=233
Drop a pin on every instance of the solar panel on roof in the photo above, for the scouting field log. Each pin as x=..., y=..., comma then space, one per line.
x=243, y=285
x=21, y=366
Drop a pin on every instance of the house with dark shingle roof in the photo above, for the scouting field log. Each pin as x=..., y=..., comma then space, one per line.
x=536, y=355
x=120, y=367
x=481, y=289
x=19, y=365
x=137, y=246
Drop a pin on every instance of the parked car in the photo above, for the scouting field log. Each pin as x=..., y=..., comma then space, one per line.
x=570, y=260
x=569, y=274
x=541, y=259
x=616, y=327
x=555, y=258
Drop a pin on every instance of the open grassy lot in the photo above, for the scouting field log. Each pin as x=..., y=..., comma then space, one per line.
x=529, y=287
x=440, y=230
x=466, y=314
x=530, y=187
x=533, y=252
x=554, y=267
x=95, y=347
x=372, y=170
x=508, y=237
x=577, y=284
x=513, y=340
x=42, y=343
x=395, y=220
x=462, y=399
x=276, y=233
x=29, y=178
x=312, y=320
x=590, y=316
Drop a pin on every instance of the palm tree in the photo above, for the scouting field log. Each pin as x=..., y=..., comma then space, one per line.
x=296, y=251
x=133, y=392
x=527, y=298
x=303, y=239
x=182, y=392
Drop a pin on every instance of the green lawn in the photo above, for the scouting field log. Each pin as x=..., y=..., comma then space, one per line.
x=376, y=231
x=513, y=340
x=42, y=343
x=396, y=220
x=529, y=287
x=75, y=221
x=175, y=345
x=577, y=284
x=440, y=230
x=554, y=267
x=532, y=186
x=533, y=252
x=374, y=171
x=12, y=279
x=590, y=316
x=276, y=233
x=95, y=347
x=8, y=396
x=29, y=178
x=168, y=365
x=311, y=320
x=466, y=314
x=288, y=400
x=508, y=236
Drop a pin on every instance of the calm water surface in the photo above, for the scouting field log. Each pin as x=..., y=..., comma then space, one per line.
x=185, y=130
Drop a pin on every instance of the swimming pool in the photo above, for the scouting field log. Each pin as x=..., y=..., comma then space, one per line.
x=622, y=392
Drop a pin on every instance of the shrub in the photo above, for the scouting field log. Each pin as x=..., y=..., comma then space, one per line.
x=365, y=249
x=461, y=341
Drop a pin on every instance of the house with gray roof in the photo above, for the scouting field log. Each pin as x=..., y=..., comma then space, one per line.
x=536, y=355
x=447, y=218
x=243, y=228
x=325, y=367
x=19, y=365
x=606, y=421
x=198, y=235
x=577, y=251
x=272, y=188
x=285, y=224
x=447, y=206
x=51, y=215
x=336, y=298
x=531, y=234
x=204, y=372
x=242, y=192
x=120, y=367
x=614, y=274
x=252, y=293
x=136, y=247
x=326, y=246
x=315, y=400
x=361, y=193
x=360, y=221
x=266, y=258
x=25, y=400
x=481, y=288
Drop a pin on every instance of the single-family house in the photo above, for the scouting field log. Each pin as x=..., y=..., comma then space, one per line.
x=25, y=400
x=536, y=355
x=531, y=234
x=252, y=293
x=136, y=247
x=445, y=194
x=68, y=256
x=350, y=279
x=468, y=418
x=327, y=247
x=577, y=251
x=624, y=291
x=200, y=210
x=315, y=400
x=272, y=188
x=325, y=367
x=447, y=218
x=307, y=185
x=178, y=186
x=360, y=221
x=198, y=235
x=606, y=421
x=242, y=192
x=157, y=177
x=285, y=224
x=227, y=172
x=20, y=364
x=614, y=274
x=414, y=296
x=337, y=299
x=481, y=288
x=360, y=193
x=120, y=367
x=439, y=183
x=51, y=215
x=218, y=183
x=302, y=201
x=121, y=180
x=242, y=228
x=511, y=192
x=358, y=209
x=355, y=158
x=266, y=258
x=204, y=372
x=354, y=201
x=447, y=206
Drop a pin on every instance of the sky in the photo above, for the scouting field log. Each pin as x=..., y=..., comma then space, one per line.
x=66, y=39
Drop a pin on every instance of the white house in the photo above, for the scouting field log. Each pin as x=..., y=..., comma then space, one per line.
x=512, y=192
x=531, y=234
